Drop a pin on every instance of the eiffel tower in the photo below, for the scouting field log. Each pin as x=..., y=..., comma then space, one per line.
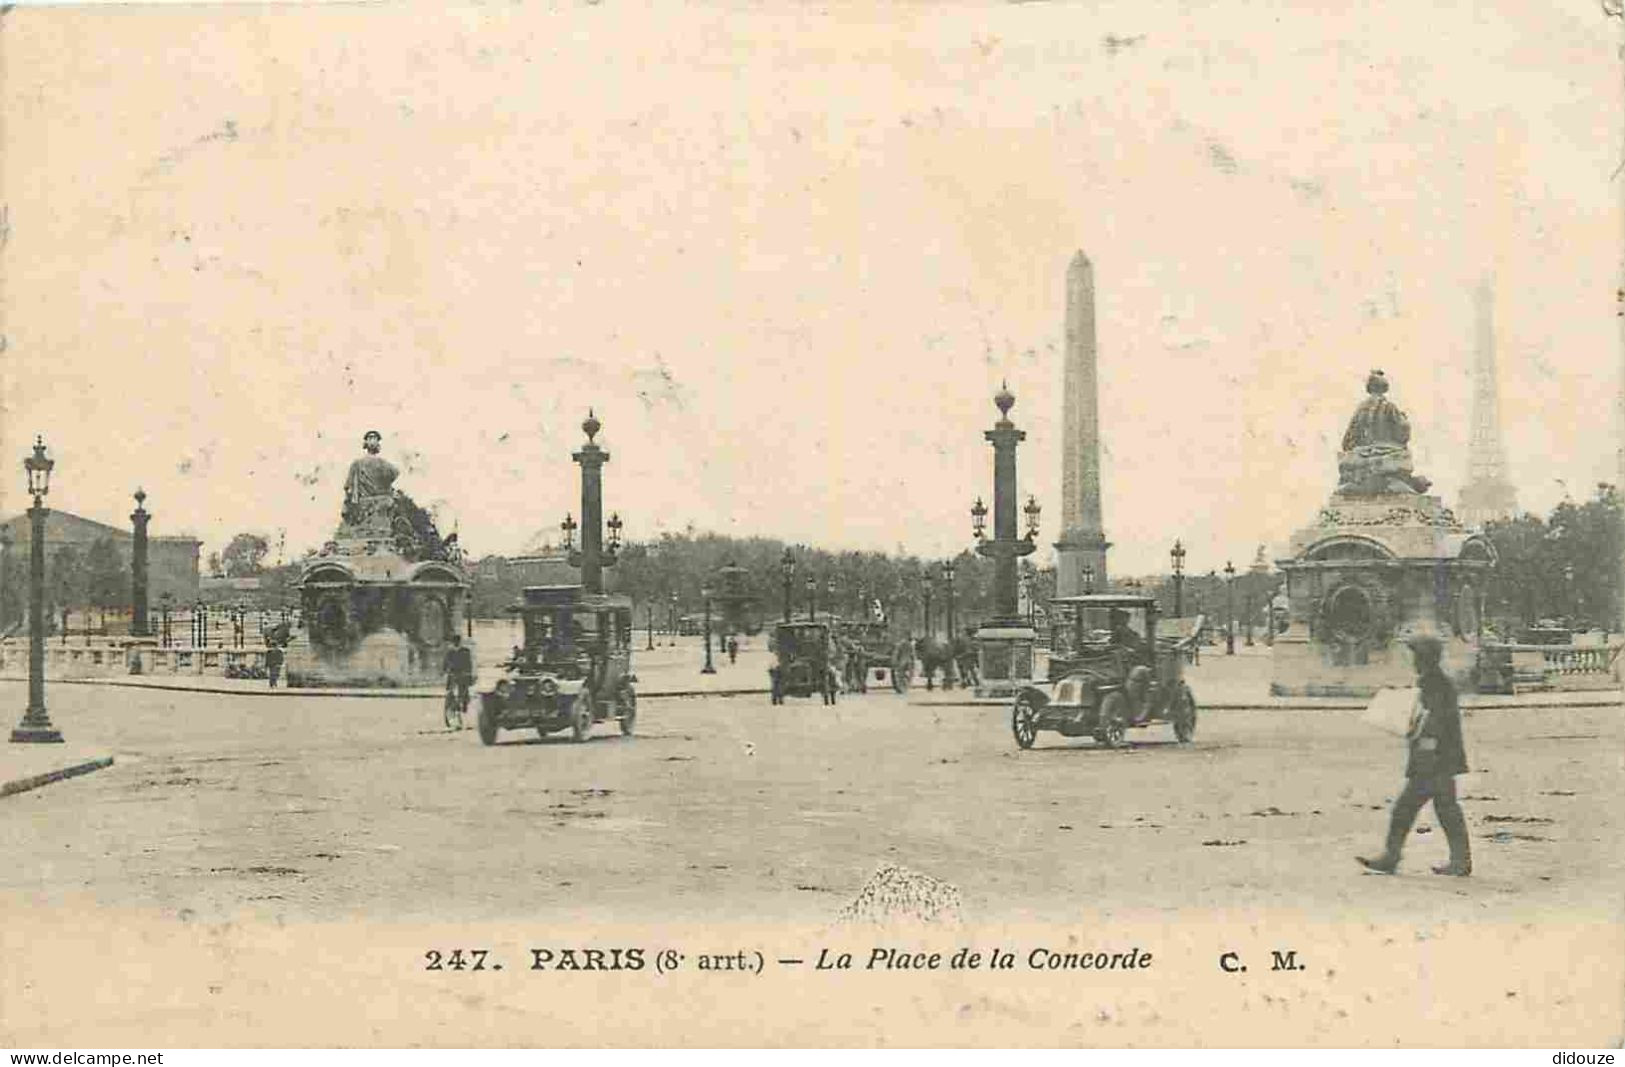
x=1488, y=495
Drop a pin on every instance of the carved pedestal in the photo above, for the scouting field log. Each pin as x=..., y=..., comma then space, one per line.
x=374, y=620
x=1004, y=659
x=1370, y=572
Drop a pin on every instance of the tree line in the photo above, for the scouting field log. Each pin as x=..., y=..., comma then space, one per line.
x=1565, y=566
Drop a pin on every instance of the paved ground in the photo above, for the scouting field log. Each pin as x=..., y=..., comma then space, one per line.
x=271, y=872
x=729, y=808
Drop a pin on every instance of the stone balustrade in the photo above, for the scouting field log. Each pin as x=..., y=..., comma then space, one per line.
x=1521, y=668
x=119, y=656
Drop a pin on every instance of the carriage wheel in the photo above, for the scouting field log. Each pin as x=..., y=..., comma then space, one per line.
x=627, y=704
x=1024, y=721
x=1184, y=715
x=1113, y=715
x=581, y=717
x=487, y=723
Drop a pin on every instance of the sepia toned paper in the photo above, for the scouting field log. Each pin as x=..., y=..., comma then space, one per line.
x=788, y=254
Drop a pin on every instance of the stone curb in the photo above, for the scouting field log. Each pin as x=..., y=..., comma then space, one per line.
x=1616, y=701
x=1609, y=699
x=351, y=694
x=23, y=785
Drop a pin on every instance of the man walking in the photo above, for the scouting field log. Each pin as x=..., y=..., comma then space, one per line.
x=273, y=661
x=1437, y=755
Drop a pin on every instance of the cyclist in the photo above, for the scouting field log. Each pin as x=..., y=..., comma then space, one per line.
x=459, y=667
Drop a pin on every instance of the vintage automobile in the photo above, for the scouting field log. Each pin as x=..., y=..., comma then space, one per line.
x=874, y=653
x=573, y=670
x=1108, y=672
x=802, y=664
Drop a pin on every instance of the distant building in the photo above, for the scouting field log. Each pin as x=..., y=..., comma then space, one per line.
x=172, y=561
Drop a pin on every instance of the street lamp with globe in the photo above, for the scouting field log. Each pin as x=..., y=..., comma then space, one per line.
x=787, y=568
x=705, y=595
x=1178, y=557
x=1230, y=608
x=36, y=724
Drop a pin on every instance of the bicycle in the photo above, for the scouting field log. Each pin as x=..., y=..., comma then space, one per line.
x=456, y=703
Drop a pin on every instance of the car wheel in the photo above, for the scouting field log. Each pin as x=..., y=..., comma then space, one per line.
x=1113, y=717
x=487, y=723
x=581, y=717
x=1024, y=721
x=1185, y=715
x=627, y=704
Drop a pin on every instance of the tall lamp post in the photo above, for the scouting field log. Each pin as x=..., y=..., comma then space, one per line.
x=5, y=572
x=1178, y=557
x=139, y=626
x=649, y=619
x=829, y=594
x=1230, y=608
x=787, y=568
x=926, y=588
x=812, y=598
x=949, y=673
x=36, y=723
x=705, y=594
x=674, y=619
x=166, y=600
x=594, y=554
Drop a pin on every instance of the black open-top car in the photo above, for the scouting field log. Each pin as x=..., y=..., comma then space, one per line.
x=573, y=670
x=1108, y=672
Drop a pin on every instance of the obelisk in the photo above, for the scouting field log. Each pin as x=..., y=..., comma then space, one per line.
x=1081, y=551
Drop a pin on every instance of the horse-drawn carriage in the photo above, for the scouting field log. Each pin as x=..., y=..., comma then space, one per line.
x=574, y=669
x=803, y=661
x=872, y=652
x=1108, y=673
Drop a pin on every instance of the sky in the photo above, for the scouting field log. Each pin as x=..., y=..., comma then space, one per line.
x=788, y=252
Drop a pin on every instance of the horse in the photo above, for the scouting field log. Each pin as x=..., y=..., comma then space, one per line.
x=968, y=660
x=935, y=654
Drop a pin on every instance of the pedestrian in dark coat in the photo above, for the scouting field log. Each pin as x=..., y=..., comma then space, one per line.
x=1436, y=755
x=273, y=662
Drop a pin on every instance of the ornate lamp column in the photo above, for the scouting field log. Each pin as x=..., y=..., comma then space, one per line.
x=139, y=626
x=1178, y=557
x=1230, y=608
x=709, y=668
x=5, y=570
x=812, y=598
x=36, y=723
x=926, y=588
x=594, y=555
x=1006, y=641
x=787, y=568
x=949, y=667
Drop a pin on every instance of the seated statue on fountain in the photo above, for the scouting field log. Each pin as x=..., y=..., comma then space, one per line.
x=1376, y=457
x=369, y=492
x=374, y=510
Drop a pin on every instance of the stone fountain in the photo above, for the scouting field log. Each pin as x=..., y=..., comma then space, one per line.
x=385, y=595
x=1382, y=561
